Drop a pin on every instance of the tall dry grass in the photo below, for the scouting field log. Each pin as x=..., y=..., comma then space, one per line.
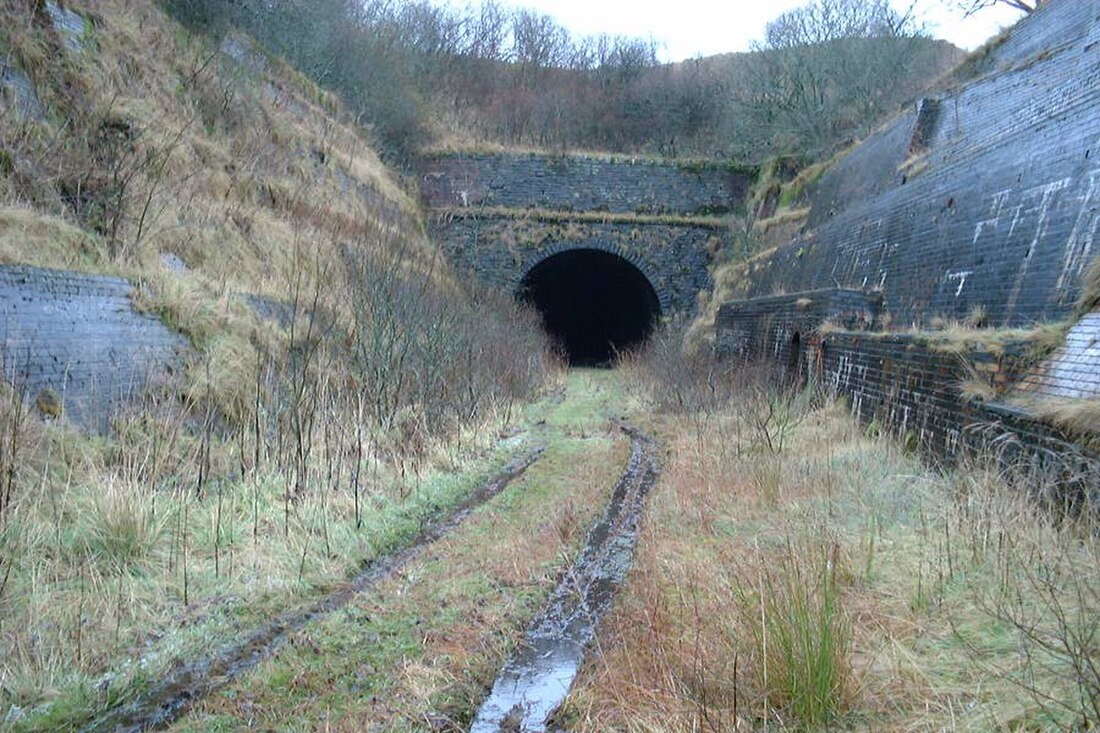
x=839, y=583
x=317, y=424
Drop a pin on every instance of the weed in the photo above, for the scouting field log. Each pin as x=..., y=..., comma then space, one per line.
x=798, y=630
x=841, y=584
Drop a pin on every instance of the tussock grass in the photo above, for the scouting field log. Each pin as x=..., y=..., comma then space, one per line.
x=960, y=337
x=782, y=217
x=797, y=627
x=1077, y=416
x=976, y=389
x=29, y=237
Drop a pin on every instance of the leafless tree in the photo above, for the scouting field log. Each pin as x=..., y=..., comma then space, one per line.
x=1025, y=6
x=825, y=70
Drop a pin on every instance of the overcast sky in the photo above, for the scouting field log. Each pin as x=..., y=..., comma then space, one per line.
x=689, y=28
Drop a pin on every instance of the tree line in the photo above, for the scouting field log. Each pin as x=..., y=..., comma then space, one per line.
x=419, y=74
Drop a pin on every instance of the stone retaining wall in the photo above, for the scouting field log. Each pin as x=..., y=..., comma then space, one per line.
x=78, y=336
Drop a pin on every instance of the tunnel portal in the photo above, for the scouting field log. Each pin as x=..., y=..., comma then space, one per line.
x=593, y=303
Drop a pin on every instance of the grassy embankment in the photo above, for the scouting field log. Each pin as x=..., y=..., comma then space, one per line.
x=795, y=573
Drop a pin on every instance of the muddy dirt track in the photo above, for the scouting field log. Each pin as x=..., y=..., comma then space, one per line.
x=194, y=680
x=533, y=682
x=538, y=676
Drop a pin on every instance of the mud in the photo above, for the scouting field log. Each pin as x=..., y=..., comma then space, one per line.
x=190, y=682
x=537, y=677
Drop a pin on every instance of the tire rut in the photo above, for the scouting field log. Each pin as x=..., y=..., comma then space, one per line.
x=189, y=682
x=537, y=678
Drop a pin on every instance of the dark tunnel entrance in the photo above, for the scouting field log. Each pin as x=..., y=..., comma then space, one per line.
x=593, y=303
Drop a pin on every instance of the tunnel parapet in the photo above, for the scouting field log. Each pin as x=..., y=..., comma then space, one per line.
x=499, y=215
x=580, y=183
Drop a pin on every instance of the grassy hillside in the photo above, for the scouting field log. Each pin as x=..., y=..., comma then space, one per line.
x=314, y=428
x=155, y=141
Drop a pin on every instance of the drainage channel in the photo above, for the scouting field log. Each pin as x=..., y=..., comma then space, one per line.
x=190, y=682
x=537, y=677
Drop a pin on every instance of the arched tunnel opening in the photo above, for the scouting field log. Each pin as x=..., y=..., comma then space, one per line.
x=595, y=304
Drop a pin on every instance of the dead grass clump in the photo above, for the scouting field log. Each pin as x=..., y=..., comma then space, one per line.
x=783, y=217
x=117, y=525
x=30, y=237
x=1079, y=417
x=976, y=389
x=1090, y=288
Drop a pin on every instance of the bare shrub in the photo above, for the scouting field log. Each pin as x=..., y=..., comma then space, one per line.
x=1041, y=586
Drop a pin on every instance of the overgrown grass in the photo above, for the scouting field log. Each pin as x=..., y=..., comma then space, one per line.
x=421, y=649
x=120, y=556
x=839, y=584
x=783, y=217
x=1079, y=417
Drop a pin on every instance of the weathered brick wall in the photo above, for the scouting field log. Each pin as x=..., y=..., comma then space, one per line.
x=581, y=183
x=912, y=390
x=499, y=215
x=779, y=326
x=79, y=336
x=502, y=250
x=907, y=384
x=998, y=205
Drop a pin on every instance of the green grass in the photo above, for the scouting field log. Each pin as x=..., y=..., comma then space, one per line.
x=154, y=577
x=803, y=633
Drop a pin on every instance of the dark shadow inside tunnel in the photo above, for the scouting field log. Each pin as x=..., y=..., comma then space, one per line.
x=593, y=303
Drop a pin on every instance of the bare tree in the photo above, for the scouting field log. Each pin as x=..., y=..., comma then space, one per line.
x=825, y=71
x=1026, y=6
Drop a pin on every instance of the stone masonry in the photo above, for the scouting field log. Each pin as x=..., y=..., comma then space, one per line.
x=499, y=215
x=78, y=338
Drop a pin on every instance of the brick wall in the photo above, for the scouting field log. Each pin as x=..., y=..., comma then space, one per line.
x=79, y=336
x=500, y=215
x=997, y=207
x=906, y=384
x=1073, y=371
x=502, y=250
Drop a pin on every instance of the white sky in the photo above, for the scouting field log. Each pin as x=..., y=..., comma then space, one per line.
x=690, y=28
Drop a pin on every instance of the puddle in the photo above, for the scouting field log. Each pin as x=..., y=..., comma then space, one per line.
x=190, y=682
x=540, y=672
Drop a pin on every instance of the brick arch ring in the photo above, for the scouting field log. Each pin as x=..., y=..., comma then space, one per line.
x=663, y=297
